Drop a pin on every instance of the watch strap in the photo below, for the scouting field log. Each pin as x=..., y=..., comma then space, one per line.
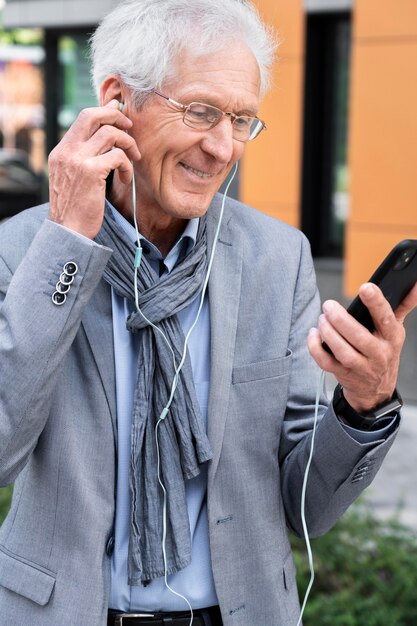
x=367, y=420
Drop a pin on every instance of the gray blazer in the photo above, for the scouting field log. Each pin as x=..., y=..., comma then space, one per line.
x=58, y=423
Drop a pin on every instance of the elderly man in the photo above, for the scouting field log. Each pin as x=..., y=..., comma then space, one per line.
x=158, y=430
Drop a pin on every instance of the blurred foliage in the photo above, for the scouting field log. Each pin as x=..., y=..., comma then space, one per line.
x=5, y=497
x=67, y=43
x=21, y=36
x=365, y=573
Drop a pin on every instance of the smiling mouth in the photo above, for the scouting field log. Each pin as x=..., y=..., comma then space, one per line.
x=196, y=172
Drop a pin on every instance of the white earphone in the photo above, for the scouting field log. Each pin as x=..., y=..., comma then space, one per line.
x=178, y=367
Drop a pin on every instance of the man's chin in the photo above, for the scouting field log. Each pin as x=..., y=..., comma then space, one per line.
x=194, y=205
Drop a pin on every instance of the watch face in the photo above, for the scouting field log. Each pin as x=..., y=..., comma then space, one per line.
x=386, y=409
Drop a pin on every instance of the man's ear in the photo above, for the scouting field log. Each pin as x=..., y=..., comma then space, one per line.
x=112, y=88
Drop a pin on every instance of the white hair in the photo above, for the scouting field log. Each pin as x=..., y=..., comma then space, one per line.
x=140, y=40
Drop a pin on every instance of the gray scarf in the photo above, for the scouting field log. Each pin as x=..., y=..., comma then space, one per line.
x=183, y=442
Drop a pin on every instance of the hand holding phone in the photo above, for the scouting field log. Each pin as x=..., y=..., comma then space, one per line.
x=396, y=276
x=366, y=363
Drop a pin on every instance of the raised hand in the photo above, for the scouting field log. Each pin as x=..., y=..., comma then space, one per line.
x=365, y=363
x=79, y=165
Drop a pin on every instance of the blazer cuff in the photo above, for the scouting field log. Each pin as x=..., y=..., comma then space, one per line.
x=391, y=422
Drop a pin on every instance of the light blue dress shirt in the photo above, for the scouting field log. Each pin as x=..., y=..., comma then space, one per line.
x=195, y=582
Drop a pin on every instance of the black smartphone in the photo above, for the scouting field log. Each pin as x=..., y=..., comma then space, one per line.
x=396, y=275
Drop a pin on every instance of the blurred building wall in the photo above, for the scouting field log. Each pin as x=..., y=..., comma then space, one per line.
x=382, y=140
x=376, y=193
x=272, y=165
x=55, y=13
x=383, y=133
x=271, y=178
x=21, y=102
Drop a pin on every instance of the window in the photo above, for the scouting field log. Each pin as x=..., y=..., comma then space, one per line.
x=325, y=179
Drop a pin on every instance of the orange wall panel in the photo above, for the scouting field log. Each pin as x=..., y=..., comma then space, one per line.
x=383, y=137
x=271, y=168
x=366, y=247
x=284, y=16
x=385, y=18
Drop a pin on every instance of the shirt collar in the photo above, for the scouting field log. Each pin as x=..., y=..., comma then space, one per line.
x=180, y=249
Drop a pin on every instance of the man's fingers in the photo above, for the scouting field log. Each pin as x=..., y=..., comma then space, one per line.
x=340, y=331
x=115, y=159
x=324, y=360
x=365, y=363
x=91, y=119
x=108, y=137
x=407, y=305
x=380, y=309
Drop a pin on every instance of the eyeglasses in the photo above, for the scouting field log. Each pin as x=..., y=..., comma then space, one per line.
x=204, y=117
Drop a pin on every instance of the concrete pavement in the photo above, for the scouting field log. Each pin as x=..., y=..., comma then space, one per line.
x=395, y=486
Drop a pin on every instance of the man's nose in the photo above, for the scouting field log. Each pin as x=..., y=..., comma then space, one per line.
x=219, y=142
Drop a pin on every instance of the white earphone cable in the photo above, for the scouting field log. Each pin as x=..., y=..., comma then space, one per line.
x=178, y=367
x=172, y=392
x=303, y=498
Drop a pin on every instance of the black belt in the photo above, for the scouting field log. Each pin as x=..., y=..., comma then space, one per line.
x=212, y=614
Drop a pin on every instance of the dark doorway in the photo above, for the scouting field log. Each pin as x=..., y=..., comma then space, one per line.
x=325, y=179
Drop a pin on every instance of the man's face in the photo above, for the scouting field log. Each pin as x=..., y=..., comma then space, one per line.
x=182, y=168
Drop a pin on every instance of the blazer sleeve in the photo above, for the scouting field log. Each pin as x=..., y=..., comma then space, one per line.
x=35, y=333
x=342, y=467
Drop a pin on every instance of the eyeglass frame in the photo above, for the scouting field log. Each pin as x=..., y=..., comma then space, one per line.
x=232, y=116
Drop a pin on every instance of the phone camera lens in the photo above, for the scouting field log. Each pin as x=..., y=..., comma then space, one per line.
x=404, y=259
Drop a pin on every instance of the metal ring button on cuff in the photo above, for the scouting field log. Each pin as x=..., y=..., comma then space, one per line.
x=66, y=279
x=70, y=268
x=58, y=298
x=64, y=284
x=62, y=288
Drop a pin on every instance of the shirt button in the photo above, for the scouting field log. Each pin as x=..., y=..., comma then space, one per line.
x=110, y=546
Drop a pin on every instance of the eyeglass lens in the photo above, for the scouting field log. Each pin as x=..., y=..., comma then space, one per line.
x=203, y=116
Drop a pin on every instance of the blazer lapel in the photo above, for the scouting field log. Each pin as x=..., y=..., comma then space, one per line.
x=98, y=326
x=224, y=296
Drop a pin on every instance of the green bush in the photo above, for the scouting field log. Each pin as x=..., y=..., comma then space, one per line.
x=366, y=573
x=5, y=497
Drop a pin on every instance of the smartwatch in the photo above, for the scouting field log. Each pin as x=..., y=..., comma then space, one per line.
x=363, y=421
